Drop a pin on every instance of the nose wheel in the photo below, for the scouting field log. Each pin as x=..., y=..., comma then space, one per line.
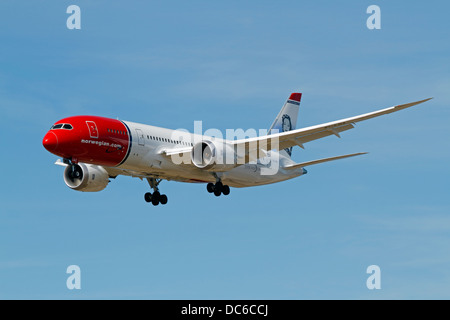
x=218, y=188
x=156, y=198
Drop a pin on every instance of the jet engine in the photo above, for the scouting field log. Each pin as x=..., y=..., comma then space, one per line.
x=86, y=177
x=213, y=156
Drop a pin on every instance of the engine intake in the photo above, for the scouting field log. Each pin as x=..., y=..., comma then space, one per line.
x=86, y=177
x=213, y=156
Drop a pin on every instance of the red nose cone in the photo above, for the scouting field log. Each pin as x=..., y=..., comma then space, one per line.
x=50, y=141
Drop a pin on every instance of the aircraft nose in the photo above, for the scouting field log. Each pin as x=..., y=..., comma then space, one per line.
x=50, y=141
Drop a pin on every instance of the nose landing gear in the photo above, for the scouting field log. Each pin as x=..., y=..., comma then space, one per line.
x=155, y=198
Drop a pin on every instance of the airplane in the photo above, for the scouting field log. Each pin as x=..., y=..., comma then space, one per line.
x=96, y=149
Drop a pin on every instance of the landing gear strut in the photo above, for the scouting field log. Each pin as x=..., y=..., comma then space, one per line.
x=155, y=198
x=218, y=188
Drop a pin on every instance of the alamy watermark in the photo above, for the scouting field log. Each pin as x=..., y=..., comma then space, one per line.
x=212, y=150
x=374, y=280
x=74, y=280
x=374, y=21
x=74, y=20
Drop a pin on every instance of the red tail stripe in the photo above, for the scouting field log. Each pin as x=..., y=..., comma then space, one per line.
x=296, y=96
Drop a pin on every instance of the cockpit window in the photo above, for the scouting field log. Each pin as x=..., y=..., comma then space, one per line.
x=62, y=126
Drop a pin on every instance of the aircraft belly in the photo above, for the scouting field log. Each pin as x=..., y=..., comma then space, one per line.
x=144, y=161
x=248, y=176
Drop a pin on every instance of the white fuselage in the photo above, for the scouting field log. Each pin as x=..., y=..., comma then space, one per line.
x=145, y=159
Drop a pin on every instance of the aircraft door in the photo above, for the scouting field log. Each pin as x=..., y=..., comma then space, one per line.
x=141, y=140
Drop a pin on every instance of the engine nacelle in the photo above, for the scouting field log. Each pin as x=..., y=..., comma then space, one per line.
x=86, y=177
x=213, y=156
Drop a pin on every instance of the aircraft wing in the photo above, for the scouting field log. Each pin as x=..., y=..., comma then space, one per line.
x=176, y=151
x=298, y=137
x=178, y=156
x=255, y=148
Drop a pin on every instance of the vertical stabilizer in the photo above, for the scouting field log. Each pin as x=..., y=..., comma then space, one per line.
x=287, y=118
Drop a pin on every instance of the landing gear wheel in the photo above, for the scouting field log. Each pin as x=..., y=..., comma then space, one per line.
x=218, y=188
x=163, y=199
x=226, y=190
x=156, y=198
x=148, y=197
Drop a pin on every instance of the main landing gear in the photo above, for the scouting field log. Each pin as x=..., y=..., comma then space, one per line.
x=155, y=198
x=218, y=188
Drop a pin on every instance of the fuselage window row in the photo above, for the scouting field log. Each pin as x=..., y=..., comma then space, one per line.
x=168, y=140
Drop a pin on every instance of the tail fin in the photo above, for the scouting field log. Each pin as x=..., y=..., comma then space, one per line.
x=287, y=118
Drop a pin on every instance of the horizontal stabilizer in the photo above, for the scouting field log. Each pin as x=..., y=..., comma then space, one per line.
x=310, y=163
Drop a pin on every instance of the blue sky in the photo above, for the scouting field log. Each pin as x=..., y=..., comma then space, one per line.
x=230, y=64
